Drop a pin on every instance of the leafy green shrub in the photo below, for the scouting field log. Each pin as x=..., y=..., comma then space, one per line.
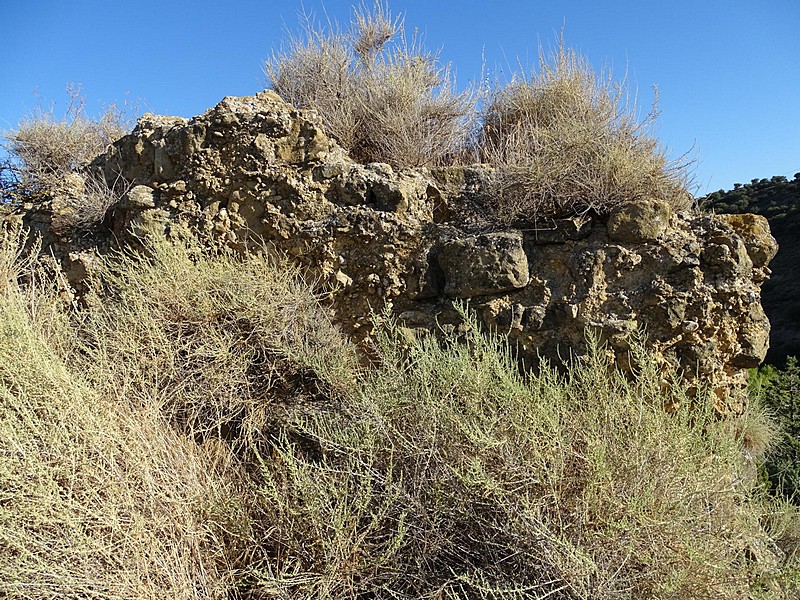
x=383, y=96
x=567, y=140
x=779, y=391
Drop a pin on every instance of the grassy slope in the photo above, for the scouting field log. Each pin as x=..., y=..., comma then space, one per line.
x=202, y=431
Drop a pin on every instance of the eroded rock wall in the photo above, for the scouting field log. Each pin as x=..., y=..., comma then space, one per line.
x=254, y=172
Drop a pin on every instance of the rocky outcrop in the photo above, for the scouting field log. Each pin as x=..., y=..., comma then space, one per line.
x=254, y=173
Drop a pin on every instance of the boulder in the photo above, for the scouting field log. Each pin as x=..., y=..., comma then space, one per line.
x=482, y=265
x=638, y=222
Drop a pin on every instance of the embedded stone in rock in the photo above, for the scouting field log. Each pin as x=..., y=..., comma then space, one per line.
x=727, y=257
x=162, y=165
x=754, y=230
x=638, y=222
x=141, y=196
x=753, y=338
x=486, y=264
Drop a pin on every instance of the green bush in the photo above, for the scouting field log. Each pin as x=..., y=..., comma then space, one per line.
x=779, y=391
x=448, y=474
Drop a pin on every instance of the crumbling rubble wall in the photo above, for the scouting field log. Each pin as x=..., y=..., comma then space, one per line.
x=254, y=173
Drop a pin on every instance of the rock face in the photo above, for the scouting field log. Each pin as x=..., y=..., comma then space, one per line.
x=254, y=172
x=484, y=265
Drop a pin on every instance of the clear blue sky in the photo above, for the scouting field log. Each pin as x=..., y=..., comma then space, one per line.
x=728, y=71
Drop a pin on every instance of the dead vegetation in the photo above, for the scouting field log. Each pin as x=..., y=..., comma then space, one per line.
x=563, y=138
x=380, y=93
x=202, y=431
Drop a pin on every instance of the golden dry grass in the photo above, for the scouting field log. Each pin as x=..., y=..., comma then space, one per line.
x=563, y=139
x=566, y=140
x=383, y=96
x=203, y=431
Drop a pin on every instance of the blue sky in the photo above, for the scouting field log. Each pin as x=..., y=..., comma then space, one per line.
x=728, y=71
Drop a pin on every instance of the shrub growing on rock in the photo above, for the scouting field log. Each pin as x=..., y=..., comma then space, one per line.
x=566, y=139
x=47, y=160
x=46, y=149
x=380, y=94
x=563, y=139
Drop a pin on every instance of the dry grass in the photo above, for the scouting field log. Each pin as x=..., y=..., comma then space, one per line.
x=566, y=140
x=125, y=430
x=99, y=498
x=46, y=148
x=214, y=342
x=449, y=475
x=203, y=431
x=380, y=94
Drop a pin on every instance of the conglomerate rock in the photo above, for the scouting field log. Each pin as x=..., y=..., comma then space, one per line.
x=255, y=173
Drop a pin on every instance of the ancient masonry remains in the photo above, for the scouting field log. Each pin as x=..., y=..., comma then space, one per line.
x=255, y=172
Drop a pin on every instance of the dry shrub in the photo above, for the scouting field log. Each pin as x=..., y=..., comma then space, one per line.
x=563, y=139
x=203, y=431
x=45, y=148
x=99, y=498
x=447, y=474
x=128, y=431
x=567, y=140
x=381, y=95
x=219, y=344
x=225, y=348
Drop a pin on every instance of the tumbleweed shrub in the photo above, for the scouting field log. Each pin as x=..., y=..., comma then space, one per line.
x=46, y=148
x=381, y=94
x=447, y=474
x=46, y=161
x=566, y=140
x=99, y=498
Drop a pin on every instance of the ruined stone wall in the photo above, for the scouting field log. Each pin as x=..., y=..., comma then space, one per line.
x=254, y=172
